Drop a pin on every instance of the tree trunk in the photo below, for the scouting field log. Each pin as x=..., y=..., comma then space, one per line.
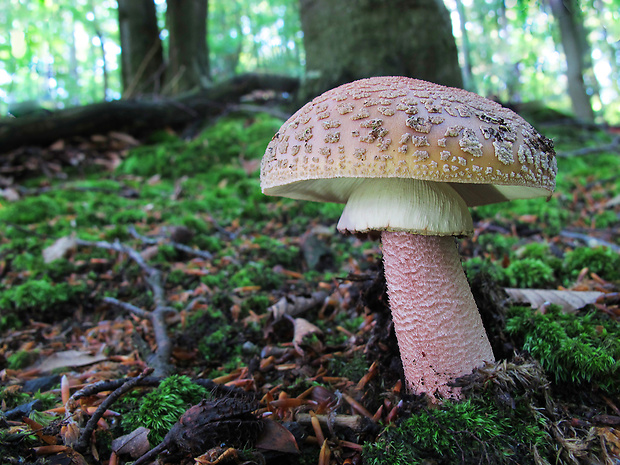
x=188, y=67
x=468, y=78
x=142, y=56
x=350, y=40
x=574, y=43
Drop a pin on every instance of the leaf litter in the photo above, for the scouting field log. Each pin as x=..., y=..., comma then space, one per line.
x=169, y=258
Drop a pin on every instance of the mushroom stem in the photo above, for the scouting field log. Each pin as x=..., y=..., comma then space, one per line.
x=438, y=327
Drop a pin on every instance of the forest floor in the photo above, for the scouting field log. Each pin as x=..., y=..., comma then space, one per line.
x=139, y=278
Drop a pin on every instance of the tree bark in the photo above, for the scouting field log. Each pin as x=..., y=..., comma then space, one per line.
x=135, y=117
x=468, y=78
x=142, y=60
x=188, y=66
x=350, y=40
x=574, y=43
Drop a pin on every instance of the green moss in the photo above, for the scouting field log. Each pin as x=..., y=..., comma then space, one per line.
x=529, y=273
x=571, y=347
x=12, y=398
x=497, y=245
x=350, y=367
x=31, y=210
x=275, y=252
x=225, y=142
x=128, y=216
x=606, y=219
x=161, y=408
x=255, y=274
x=600, y=260
x=21, y=359
x=37, y=294
x=257, y=303
x=466, y=432
x=476, y=265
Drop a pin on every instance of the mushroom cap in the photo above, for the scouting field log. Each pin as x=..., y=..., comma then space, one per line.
x=398, y=127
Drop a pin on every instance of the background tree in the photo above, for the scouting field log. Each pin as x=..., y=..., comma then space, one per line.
x=142, y=61
x=188, y=54
x=361, y=38
x=66, y=53
x=576, y=50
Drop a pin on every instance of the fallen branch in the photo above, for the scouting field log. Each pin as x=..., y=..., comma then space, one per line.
x=589, y=240
x=137, y=117
x=613, y=146
x=127, y=386
x=160, y=359
x=178, y=246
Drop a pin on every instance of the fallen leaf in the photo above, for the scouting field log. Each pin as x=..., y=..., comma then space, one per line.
x=296, y=304
x=302, y=329
x=570, y=301
x=38, y=430
x=59, y=249
x=70, y=358
x=10, y=194
x=276, y=437
x=150, y=252
x=136, y=443
x=611, y=437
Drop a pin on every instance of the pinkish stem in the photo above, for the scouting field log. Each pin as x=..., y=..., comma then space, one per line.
x=438, y=327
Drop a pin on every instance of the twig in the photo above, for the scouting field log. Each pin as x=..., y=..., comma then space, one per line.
x=82, y=443
x=127, y=306
x=110, y=385
x=613, y=146
x=589, y=240
x=219, y=390
x=160, y=359
x=182, y=247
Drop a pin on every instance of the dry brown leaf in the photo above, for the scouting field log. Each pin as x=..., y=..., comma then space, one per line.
x=276, y=437
x=70, y=358
x=302, y=329
x=38, y=430
x=611, y=438
x=124, y=137
x=570, y=301
x=136, y=443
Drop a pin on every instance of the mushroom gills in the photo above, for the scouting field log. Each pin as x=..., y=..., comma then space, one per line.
x=411, y=205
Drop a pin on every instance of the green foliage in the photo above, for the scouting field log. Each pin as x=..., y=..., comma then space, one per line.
x=31, y=210
x=476, y=265
x=21, y=359
x=128, y=216
x=275, y=252
x=464, y=432
x=600, y=260
x=497, y=245
x=162, y=407
x=352, y=367
x=222, y=143
x=571, y=347
x=529, y=273
x=12, y=398
x=37, y=294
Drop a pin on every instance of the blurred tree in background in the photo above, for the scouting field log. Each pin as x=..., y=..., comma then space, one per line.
x=142, y=59
x=345, y=41
x=59, y=53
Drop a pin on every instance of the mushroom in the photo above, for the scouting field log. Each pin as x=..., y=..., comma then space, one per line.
x=408, y=158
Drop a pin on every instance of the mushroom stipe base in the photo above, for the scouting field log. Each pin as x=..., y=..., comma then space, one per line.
x=438, y=327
